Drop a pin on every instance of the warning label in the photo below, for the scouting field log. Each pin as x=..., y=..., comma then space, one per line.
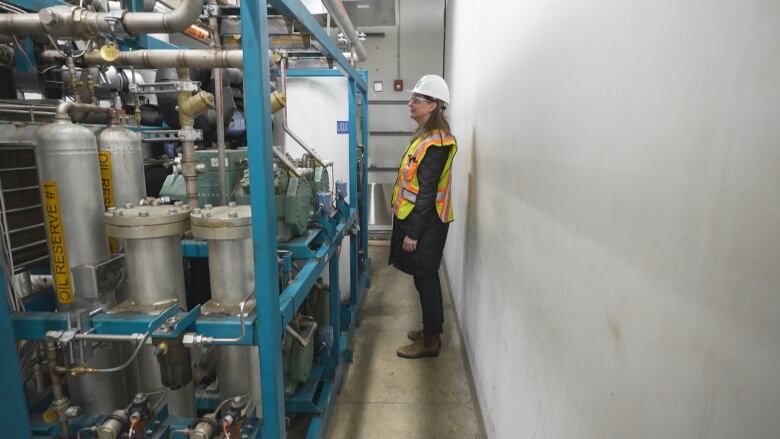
x=63, y=287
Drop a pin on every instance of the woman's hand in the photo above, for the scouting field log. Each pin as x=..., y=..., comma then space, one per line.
x=410, y=244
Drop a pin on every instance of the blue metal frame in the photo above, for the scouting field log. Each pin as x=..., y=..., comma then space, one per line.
x=317, y=249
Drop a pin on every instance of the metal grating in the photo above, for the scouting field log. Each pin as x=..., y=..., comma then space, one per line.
x=21, y=206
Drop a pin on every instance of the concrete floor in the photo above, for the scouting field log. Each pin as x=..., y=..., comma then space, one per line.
x=384, y=396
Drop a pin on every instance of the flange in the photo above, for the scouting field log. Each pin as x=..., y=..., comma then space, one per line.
x=221, y=223
x=143, y=222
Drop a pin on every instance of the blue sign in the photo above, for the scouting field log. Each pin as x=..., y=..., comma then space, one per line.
x=342, y=127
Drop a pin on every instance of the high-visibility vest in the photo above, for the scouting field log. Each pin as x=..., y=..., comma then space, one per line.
x=407, y=187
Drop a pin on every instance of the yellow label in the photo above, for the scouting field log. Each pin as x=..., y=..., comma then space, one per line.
x=107, y=185
x=60, y=269
x=106, y=179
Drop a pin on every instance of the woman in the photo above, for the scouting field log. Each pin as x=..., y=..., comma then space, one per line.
x=422, y=209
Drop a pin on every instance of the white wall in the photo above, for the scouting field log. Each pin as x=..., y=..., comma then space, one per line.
x=422, y=41
x=314, y=105
x=615, y=259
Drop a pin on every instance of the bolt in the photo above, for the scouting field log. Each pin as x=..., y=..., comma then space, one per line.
x=118, y=212
x=48, y=17
x=177, y=203
x=112, y=209
x=155, y=202
x=172, y=211
x=186, y=207
x=232, y=204
x=128, y=205
x=196, y=211
x=208, y=207
x=232, y=215
x=171, y=322
x=143, y=213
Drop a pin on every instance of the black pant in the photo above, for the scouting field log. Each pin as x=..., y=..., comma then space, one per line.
x=429, y=288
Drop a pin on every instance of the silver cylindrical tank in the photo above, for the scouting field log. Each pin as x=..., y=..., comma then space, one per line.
x=121, y=159
x=228, y=231
x=155, y=281
x=67, y=158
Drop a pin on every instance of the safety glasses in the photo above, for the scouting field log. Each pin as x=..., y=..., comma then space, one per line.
x=417, y=99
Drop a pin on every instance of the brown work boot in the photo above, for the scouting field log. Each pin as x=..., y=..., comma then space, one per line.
x=415, y=335
x=422, y=348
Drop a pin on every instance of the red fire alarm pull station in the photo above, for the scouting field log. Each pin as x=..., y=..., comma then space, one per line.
x=398, y=85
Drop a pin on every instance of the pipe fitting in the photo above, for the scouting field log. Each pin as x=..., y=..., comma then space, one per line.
x=66, y=109
x=197, y=104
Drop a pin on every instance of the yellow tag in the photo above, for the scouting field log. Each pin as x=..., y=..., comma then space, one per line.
x=106, y=178
x=109, y=53
x=50, y=416
x=60, y=269
x=107, y=184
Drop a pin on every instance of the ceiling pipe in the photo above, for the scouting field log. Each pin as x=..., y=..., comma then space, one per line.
x=160, y=58
x=74, y=22
x=336, y=10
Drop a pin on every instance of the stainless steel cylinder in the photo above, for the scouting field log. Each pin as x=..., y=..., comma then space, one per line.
x=155, y=281
x=121, y=159
x=228, y=231
x=231, y=270
x=67, y=158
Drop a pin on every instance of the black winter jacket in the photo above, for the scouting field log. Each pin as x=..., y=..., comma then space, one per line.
x=423, y=223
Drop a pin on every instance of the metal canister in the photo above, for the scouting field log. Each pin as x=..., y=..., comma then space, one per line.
x=155, y=281
x=228, y=230
x=121, y=166
x=71, y=195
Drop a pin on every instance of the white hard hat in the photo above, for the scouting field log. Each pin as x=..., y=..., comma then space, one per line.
x=433, y=86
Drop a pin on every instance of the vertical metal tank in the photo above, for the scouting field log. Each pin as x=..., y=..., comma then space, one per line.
x=71, y=194
x=121, y=166
x=228, y=231
x=155, y=281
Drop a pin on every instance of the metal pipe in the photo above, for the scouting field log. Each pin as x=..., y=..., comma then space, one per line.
x=202, y=339
x=65, y=108
x=217, y=45
x=336, y=9
x=56, y=385
x=315, y=156
x=157, y=58
x=284, y=160
x=189, y=162
x=289, y=329
x=75, y=22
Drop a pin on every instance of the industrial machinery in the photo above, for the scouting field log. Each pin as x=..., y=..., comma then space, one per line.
x=191, y=304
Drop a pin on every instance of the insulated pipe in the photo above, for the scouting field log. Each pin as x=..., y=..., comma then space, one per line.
x=336, y=9
x=74, y=22
x=157, y=58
